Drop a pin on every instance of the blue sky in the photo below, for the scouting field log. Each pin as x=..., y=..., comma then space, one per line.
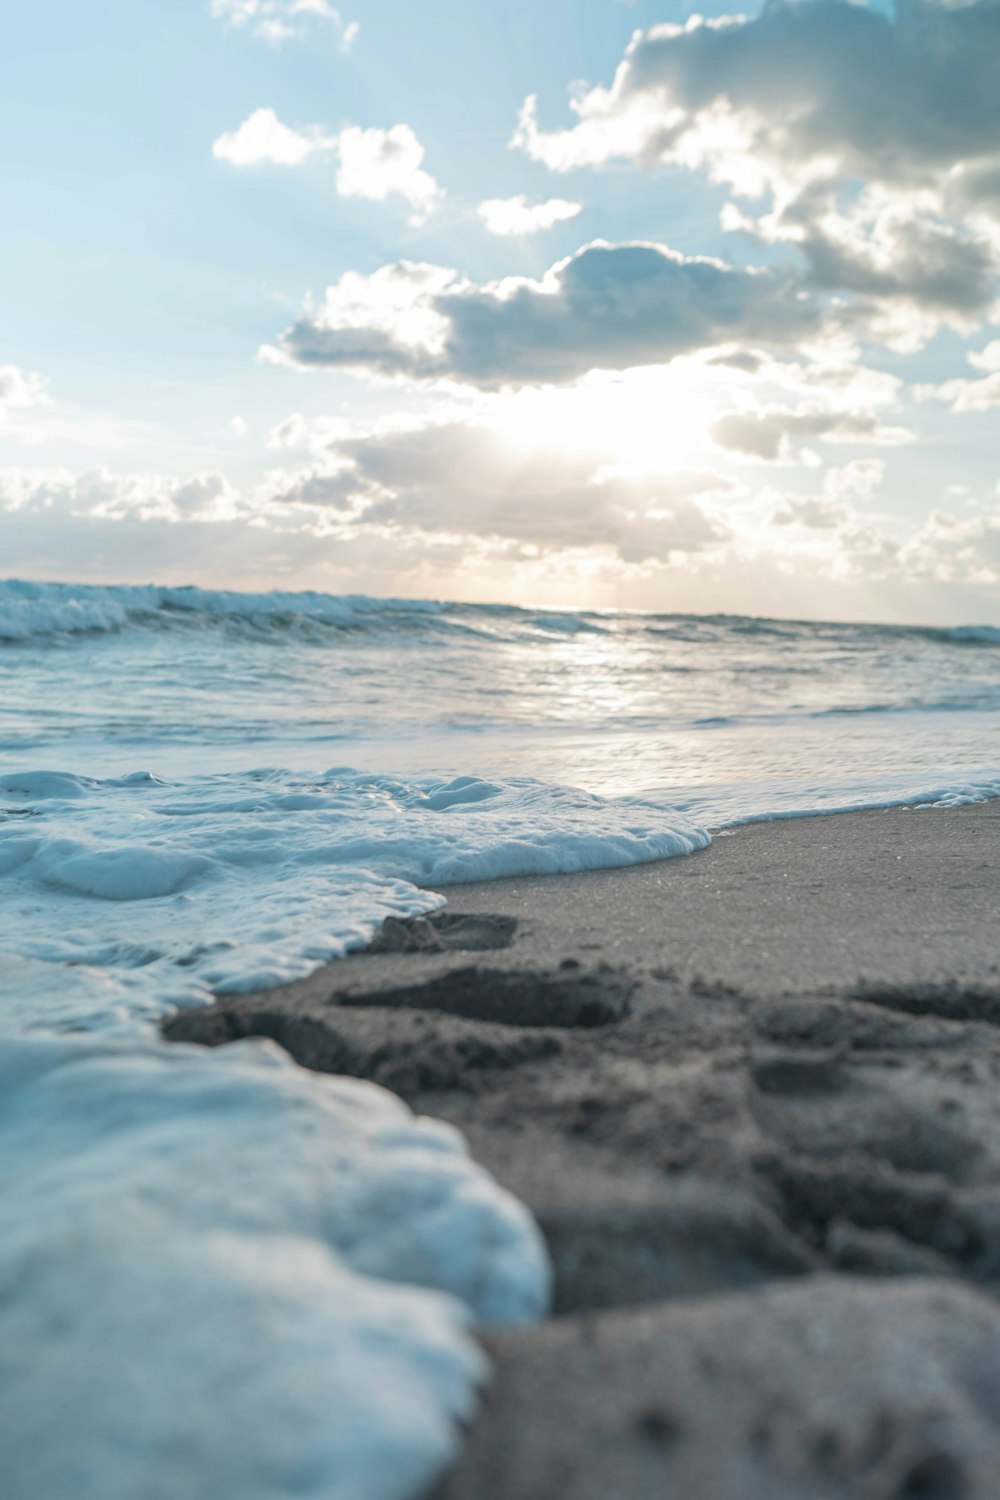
x=741, y=353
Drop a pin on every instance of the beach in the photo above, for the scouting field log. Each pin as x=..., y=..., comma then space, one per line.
x=607, y=986
x=500, y=751
x=750, y=1097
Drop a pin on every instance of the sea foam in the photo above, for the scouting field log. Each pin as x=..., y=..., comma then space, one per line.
x=237, y=882
x=263, y=1280
x=225, y=1276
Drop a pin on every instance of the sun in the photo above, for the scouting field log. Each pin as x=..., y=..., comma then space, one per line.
x=642, y=421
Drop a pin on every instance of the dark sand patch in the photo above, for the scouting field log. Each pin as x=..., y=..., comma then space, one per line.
x=948, y=1002
x=444, y=932
x=568, y=997
x=401, y=1050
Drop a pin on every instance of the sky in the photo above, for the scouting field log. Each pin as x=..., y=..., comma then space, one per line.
x=581, y=303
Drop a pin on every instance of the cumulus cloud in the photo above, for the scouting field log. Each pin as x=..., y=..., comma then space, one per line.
x=101, y=494
x=607, y=307
x=374, y=164
x=809, y=512
x=263, y=138
x=455, y=506
x=105, y=526
x=19, y=391
x=458, y=485
x=769, y=434
x=388, y=322
x=860, y=479
x=874, y=141
x=466, y=478
x=277, y=21
x=952, y=549
x=516, y=216
x=970, y=395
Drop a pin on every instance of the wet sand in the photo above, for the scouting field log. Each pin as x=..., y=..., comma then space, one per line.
x=752, y=1097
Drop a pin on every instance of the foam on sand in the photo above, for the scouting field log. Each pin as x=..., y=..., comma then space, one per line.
x=236, y=882
x=225, y=1276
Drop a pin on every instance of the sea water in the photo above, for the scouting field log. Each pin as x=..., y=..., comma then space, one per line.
x=230, y=1276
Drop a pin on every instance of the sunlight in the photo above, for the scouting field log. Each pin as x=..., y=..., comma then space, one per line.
x=641, y=421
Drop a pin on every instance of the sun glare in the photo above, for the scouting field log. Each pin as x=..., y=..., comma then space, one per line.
x=641, y=421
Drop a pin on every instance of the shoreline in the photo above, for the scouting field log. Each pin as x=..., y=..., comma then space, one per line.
x=750, y=1095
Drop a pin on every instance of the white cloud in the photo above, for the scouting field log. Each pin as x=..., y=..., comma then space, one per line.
x=455, y=508
x=949, y=549
x=263, y=138
x=468, y=478
x=810, y=513
x=458, y=483
x=858, y=480
x=606, y=307
x=967, y=395
x=388, y=321
x=516, y=216
x=100, y=494
x=19, y=391
x=105, y=526
x=768, y=434
x=278, y=21
x=374, y=164
x=291, y=432
x=377, y=164
x=873, y=141
x=987, y=359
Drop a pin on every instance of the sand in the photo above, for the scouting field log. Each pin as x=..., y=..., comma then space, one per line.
x=752, y=1097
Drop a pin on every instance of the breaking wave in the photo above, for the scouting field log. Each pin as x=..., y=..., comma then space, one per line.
x=38, y=611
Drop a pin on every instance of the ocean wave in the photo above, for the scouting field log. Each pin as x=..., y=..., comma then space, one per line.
x=50, y=611
x=567, y=623
x=30, y=611
x=965, y=635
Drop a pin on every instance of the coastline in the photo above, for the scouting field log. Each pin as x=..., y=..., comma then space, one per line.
x=745, y=1088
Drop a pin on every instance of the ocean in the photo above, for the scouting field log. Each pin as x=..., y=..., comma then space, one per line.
x=207, y=792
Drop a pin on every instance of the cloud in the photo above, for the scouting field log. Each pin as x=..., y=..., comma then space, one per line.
x=768, y=434
x=388, y=322
x=105, y=526
x=467, y=478
x=454, y=509
x=948, y=549
x=810, y=513
x=516, y=216
x=970, y=395
x=374, y=164
x=860, y=479
x=330, y=490
x=459, y=487
x=812, y=90
x=608, y=307
x=18, y=391
x=462, y=482
x=263, y=138
x=278, y=21
x=99, y=493
x=873, y=141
